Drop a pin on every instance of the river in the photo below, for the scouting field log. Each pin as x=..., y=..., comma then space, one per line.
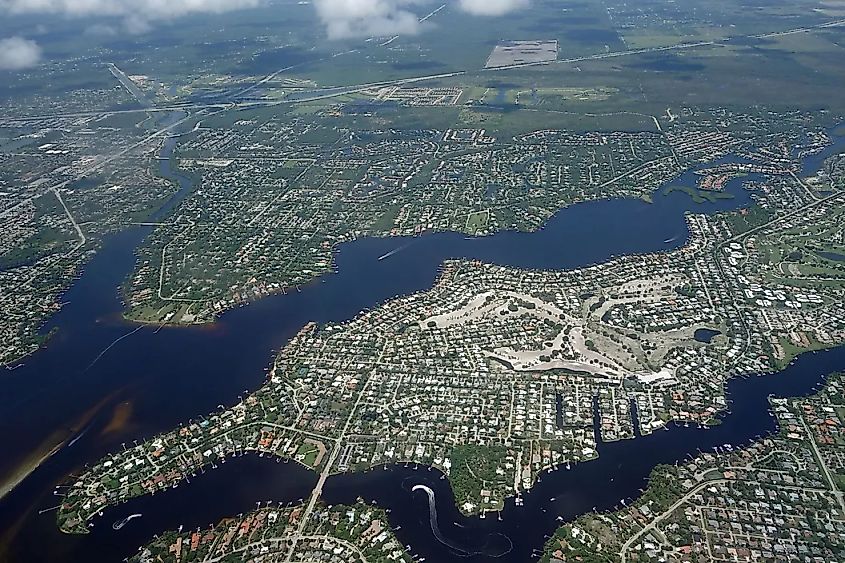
x=101, y=381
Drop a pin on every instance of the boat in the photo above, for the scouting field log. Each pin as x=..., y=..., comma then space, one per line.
x=121, y=523
x=392, y=252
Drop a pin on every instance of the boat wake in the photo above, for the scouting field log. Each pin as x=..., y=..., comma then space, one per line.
x=110, y=346
x=394, y=251
x=435, y=528
x=121, y=523
x=78, y=436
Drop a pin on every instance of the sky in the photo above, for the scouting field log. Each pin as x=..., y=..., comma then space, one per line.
x=341, y=19
x=368, y=18
x=17, y=53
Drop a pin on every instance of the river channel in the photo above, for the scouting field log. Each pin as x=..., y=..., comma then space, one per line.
x=101, y=382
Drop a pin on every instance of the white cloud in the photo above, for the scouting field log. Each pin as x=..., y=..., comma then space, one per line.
x=492, y=7
x=101, y=30
x=17, y=53
x=136, y=14
x=142, y=9
x=367, y=18
x=135, y=24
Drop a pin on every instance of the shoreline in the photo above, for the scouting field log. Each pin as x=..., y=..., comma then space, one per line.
x=27, y=467
x=558, y=494
x=558, y=467
x=54, y=443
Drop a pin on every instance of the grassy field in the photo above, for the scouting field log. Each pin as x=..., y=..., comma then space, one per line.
x=801, y=70
x=477, y=221
x=699, y=196
x=307, y=454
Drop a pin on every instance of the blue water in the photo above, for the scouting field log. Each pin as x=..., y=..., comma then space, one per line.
x=513, y=535
x=836, y=257
x=617, y=475
x=97, y=361
x=705, y=335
